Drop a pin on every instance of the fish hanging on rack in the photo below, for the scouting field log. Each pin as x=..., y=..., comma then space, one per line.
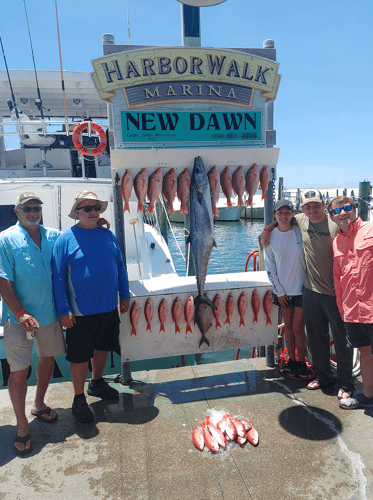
x=238, y=183
x=252, y=183
x=226, y=185
x=169, y=188
x=126, y=188
x=183, y=189
x=154, y=189
x=141, y=188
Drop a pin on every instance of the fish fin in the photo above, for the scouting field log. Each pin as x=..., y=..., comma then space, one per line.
x=217, y=325
x=215, y=212
x=133, y=331
x=214, y=244
x=255, y=319
x=183, y=209
x=170, y=209
x=268, y=321
x=140, y=207
x=229, y=204
x=264, y=196
x=205, y=300
x=177, y=329
x=240, y=203
x=227, y=321
x=204, y=339
x=126, y=207
x=249, y=202
x=161, y=329
x=241, y=322
x=188, y=329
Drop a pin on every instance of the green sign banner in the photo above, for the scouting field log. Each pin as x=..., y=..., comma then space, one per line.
x=191, y=126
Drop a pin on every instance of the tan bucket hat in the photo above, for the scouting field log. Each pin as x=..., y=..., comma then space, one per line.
x=86, y=195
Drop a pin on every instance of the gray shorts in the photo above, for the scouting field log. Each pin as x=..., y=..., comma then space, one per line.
x=49, y=342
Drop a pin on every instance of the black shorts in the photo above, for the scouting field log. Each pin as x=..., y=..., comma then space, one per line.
x=360, y=334
x=98, y=332
x=293, y=301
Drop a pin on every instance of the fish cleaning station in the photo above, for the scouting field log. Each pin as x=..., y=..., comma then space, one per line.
x=189, y=121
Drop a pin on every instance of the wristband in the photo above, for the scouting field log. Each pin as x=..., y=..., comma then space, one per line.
x=21, y=311
x=266, y=229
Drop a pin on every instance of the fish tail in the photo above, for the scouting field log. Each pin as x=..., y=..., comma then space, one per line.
x=218, y=325
x=268, y=321
x=133, y=331
x=264, y=196
x=170, y=209
x=150, y=209
x=148, y=327
x=227, y=321
x=126, y=207
x=240, y=202
x=204, y=339
x=229, y=204
x=188, y=329
x=161, y=329
x=183, y=209
x=215, y=212
x=241, y=322
x=255, y=319
x=177, y=329
x=140, y=207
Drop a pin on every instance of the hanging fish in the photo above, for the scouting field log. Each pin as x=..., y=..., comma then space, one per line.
x=183, y=189
x=126, y=188
x=141, y=187
x=214, y=182
x=264, y=181
x=176, y=313
x=154, y=189
x=189, y=313
x=252, y=183
x=229, y=306
x=162, y=314
x=134, y=316
x=148, y=311
x=238, y=183
x=226, y=185
x=169, y=188
x=242, y=304
x=216, y=312
x=267, y=305
x=255, y=304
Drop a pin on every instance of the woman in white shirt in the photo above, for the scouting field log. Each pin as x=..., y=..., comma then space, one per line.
x=283, y=260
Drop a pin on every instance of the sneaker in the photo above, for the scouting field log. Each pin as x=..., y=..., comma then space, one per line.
x=81, y=411
x=102, y=390
x=302, y=370
x=360, y=401
x=288, y=367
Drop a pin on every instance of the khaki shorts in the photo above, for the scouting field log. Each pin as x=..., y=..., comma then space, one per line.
x=49, y=342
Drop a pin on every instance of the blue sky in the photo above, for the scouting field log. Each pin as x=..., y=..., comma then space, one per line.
x=323, y=111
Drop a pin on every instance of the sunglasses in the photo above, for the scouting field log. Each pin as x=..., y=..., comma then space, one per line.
x=338, y=210
x=88, y=209
x=30, y=209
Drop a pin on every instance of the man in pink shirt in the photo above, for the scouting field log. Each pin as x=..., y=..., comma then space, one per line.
x=353, y=280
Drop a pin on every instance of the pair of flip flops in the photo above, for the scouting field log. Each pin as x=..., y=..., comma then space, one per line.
x=46, y=411
x=22, y=440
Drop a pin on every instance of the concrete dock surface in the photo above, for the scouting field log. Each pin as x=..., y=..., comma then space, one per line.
x=140, y=447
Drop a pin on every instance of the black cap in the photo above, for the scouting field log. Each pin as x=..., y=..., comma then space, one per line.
x=283, y=203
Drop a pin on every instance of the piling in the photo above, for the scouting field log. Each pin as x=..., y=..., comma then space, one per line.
x=364, y=199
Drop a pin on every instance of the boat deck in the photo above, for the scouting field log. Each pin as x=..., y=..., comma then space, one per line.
x=141, y=448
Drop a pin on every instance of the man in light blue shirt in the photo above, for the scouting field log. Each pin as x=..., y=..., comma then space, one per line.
x=29, y=311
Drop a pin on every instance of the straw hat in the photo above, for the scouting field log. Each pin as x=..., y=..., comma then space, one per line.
x=86, y=195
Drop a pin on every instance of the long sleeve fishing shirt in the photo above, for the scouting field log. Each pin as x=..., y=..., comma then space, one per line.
x=88, y=272
x=353, y=272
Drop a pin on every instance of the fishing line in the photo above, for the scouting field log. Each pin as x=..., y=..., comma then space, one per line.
x=10, y=82
x=38, y=102
x=62, y=79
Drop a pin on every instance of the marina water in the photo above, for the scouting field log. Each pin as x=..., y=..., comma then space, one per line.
x=235, y=241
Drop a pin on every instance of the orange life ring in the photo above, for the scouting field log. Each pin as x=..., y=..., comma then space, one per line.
x=88, y=151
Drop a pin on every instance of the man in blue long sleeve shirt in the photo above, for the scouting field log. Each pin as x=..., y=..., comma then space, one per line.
x=88, y=274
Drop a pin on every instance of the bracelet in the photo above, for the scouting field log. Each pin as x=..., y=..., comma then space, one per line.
x=21, y=311
x=266, y=229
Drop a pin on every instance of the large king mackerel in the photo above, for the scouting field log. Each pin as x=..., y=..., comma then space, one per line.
x=201, y=226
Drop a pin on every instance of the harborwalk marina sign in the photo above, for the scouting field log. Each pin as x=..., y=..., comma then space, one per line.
x=164, y=75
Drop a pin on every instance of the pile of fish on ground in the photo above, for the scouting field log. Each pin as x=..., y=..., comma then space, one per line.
x=227, y=429
x=170, y=185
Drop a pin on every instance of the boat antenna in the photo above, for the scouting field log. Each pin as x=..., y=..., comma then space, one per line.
x=38, y=101
x=62, y=79
x=128, y=24
x=10, y=82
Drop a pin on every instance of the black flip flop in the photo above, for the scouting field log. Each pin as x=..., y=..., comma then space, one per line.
x=23, y=440
x=39, y=414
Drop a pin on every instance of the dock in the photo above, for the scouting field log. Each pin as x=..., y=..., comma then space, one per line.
x=140, y=447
